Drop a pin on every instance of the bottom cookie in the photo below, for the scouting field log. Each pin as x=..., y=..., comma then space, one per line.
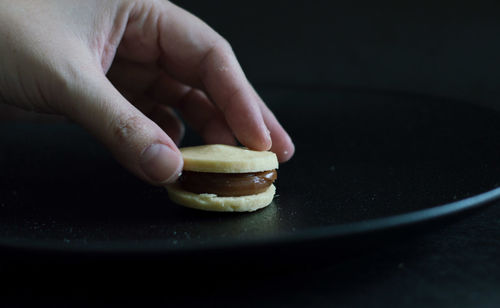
x=211, y=202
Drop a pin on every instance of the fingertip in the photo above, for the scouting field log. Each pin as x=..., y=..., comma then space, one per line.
x=258, y=141
x=161, y=164
x=135, y=140
x=286, y=153
x=284, y=148
x=281, y=144
x=266, y=139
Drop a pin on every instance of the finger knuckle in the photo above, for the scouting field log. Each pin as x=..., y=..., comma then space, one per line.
x=222, y=46
x=128, y=127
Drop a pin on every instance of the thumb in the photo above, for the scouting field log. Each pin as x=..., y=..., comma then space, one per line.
x=136, y=142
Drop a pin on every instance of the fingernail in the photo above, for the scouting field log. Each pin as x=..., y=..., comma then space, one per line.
x=161, y=164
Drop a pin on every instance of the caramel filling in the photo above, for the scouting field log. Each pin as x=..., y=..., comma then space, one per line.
x=227, y=184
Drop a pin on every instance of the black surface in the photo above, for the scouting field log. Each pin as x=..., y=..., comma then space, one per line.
x=361, y=157
x=453, y=264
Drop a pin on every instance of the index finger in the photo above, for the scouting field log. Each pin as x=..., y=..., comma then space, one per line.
x=195, y=54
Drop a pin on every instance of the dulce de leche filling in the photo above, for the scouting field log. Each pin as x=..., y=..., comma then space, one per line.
x=227, y=184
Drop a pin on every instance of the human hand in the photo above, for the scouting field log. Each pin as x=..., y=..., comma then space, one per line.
x=55, y=55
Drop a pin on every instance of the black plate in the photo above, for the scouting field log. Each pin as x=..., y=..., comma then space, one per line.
x=365, y=161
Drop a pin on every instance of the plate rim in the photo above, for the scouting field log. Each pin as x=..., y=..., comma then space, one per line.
x=320, y=233
x=331, y=232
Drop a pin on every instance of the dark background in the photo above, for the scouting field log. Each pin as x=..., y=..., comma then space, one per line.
x=446, y=48
x=442, y=48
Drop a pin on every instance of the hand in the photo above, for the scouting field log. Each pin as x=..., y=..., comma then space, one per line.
x=55, y=54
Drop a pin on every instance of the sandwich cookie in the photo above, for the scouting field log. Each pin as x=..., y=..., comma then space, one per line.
x=225, y=178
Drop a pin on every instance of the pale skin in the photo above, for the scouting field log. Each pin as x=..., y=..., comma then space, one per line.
x=120, y=67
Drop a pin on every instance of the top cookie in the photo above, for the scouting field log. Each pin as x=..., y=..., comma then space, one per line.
x=227, y=159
